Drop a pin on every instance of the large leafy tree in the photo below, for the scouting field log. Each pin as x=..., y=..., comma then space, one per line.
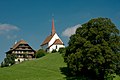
x=94, y=50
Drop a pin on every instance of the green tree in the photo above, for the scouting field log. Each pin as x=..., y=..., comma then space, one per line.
x=62, y=50
x=2, y=64
x=6, y=62
x=9, y=60
x=40, y=53
x=94, y=50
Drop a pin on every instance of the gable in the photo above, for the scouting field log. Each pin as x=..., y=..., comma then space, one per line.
x=21, y=45
x=54, y=38
x=17, y=44
x=56, y=42
x=47, y=40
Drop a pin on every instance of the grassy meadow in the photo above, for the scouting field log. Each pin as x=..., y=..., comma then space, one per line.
x=45, y=68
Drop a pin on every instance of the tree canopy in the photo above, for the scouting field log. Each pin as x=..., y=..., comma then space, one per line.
x=94, y=50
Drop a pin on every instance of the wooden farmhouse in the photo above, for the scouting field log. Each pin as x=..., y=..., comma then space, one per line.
x=22, y=51
x=53, y=41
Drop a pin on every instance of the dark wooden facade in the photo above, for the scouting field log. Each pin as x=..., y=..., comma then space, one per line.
x=22, y=51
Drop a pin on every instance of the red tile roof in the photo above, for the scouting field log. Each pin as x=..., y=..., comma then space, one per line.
x=47, y=39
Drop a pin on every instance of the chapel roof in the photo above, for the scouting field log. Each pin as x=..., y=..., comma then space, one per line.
x=48, y=38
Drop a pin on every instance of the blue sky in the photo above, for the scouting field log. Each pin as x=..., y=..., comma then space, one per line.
x=31, y=19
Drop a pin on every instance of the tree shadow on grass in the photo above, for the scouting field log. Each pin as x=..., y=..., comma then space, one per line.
x=69, y=76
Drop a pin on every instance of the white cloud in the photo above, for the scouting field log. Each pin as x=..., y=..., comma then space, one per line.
x=8, y=27
x=70, y=31
x=9, y=31
x=11, y=36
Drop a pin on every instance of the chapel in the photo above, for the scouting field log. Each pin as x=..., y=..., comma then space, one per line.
x=53, y=41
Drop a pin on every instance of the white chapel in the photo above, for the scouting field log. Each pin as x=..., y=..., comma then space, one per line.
x=53, y=41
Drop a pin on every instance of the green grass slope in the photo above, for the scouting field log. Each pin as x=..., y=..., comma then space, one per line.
x=45, y=68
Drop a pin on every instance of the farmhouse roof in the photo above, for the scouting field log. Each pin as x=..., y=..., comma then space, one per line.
x=19, y=42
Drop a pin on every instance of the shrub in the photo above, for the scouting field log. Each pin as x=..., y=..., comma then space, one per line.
x=2, y=64
x=62, y=50
x=40, y=53
x=53, y=51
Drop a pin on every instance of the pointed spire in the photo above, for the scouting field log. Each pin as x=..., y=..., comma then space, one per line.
x=53, y=27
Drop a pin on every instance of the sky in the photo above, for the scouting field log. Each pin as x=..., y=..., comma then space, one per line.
x=31, y=20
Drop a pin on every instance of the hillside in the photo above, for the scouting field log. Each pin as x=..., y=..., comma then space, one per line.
x=45, y=68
